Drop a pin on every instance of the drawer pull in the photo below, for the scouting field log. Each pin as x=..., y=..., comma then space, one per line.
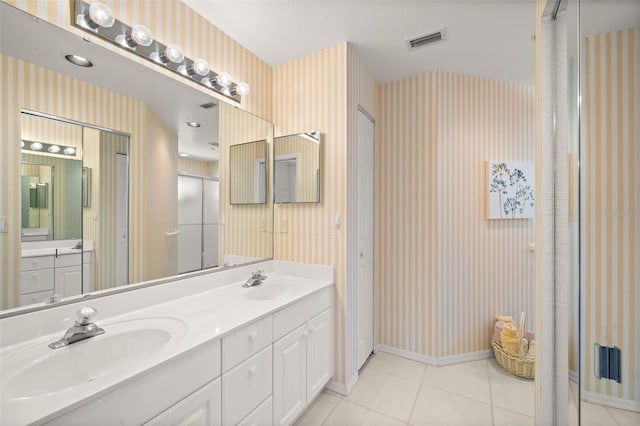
x=34, y=275
x=253, y=371
x=253, y=336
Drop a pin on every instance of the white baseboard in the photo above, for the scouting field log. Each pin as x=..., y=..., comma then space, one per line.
x=610, y=401
x=434, y=361
x=342, y=389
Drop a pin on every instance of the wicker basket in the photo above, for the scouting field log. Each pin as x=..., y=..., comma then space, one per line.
x=521, y=366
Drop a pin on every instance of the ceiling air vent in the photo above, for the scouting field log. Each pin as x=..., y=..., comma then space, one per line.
x=425, y=39
x=208, y=105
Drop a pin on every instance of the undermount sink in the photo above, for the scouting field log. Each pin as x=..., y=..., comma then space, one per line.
x=267, y=291
x=39, y=370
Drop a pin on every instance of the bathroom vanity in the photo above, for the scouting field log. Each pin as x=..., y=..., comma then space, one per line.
x=222, y=354
x=55, y=267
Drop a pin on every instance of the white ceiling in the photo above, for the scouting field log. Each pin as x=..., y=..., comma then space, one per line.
x=485, y=38
x=175, y=103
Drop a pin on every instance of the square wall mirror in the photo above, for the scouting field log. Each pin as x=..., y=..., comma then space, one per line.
x=248, y=173
x=296, y=171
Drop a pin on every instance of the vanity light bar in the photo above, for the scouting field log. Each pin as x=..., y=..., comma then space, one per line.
x=50, y=148
x=169, y=57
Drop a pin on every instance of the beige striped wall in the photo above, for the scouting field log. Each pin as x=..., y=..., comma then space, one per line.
x=39, y=217
x=242, y=165
x=198, y=167
x=611, y=181
x=444, y=272
x=307, y=166
x=245, y=230
x=309, y=93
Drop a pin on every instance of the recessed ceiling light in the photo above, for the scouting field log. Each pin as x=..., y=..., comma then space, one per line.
x=79, y=61
x=193, y=124
x=183, y=154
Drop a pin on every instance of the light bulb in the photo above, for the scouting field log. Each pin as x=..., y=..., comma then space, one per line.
x=223, y=79
x=242, y=89
x=69, y=150
x=200, y=67
x=36, y=146
x=101, y=14
x=54, y=149
x=21, y=144
x=206, y=81
x=174, y=53
x=141, y=35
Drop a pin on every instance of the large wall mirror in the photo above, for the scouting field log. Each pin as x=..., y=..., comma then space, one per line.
x=296, y=168
x=122, y=173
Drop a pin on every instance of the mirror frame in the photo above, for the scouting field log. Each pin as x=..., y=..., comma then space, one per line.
x=318, y=171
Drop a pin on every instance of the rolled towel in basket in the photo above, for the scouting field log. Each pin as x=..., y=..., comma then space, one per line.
x=532, y=349
x=505, y=319
x=497, y=329
x=510, y=339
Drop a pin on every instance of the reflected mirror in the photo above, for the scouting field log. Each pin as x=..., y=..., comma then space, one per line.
x=145, y=194
x=296, y=168
x=248, y=173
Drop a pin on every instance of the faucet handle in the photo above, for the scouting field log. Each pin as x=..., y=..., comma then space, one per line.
x=85, y=314
x=259, y=272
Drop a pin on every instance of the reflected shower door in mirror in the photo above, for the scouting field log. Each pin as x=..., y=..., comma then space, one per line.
x=71, y=246
x=296, y=169
x=186, y=133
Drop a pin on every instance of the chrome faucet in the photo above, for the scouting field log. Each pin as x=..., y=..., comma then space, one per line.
x=82, y=329
x=257, y=278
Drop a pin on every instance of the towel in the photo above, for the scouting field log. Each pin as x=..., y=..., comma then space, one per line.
x=532, y=349
x=497, y=329
x=505, y=319
x=510, y=339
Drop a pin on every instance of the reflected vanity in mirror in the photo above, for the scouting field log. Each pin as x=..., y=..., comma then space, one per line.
x=248, y=172
x=296, y=172
x=121, y=205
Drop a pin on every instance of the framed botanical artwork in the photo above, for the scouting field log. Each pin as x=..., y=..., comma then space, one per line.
x=512, y=190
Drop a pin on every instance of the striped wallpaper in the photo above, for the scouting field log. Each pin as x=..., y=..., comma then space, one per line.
x=197, y=167
x=246, y=185
x=307, y=165
x=309, y=93
x=245, y=230
x=611, y=182
x=443, y=271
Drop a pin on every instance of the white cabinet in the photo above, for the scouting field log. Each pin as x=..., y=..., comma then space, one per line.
x=202, y=408
x=319, y=354
x=301, y=367
x=68, y=281
x=290, y=376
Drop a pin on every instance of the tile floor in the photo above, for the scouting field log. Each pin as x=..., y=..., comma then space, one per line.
x=397, y=391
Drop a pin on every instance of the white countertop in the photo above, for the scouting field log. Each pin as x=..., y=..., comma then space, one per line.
x=54, y=247
x=208, y=315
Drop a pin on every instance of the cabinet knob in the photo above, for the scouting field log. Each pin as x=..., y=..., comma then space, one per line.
x=253, y=371
x=252, y=336
x=34, y=275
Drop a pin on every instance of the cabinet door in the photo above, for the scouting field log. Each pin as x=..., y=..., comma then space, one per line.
x=201, y=408
x=319, y=368
x=68, y=281
x=290, y=376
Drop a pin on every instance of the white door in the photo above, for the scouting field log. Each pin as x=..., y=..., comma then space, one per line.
x=365, y=209
x=290, y=376
x=211, y=211
x=122, y=220
x=319, y=353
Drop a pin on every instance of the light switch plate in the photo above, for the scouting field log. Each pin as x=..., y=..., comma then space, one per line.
x=3, y=224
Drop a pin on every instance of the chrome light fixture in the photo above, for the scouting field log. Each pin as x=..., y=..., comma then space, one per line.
x=27, y=145
x=98, y=19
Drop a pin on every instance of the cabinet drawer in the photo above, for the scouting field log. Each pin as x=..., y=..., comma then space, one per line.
x=246, y=386
x=245, y=342
x=261, y=416
x=68, y=260
x=40, y=262
x=200, y=408
x=35, y=281
x=39, y=297
x=290, y=318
